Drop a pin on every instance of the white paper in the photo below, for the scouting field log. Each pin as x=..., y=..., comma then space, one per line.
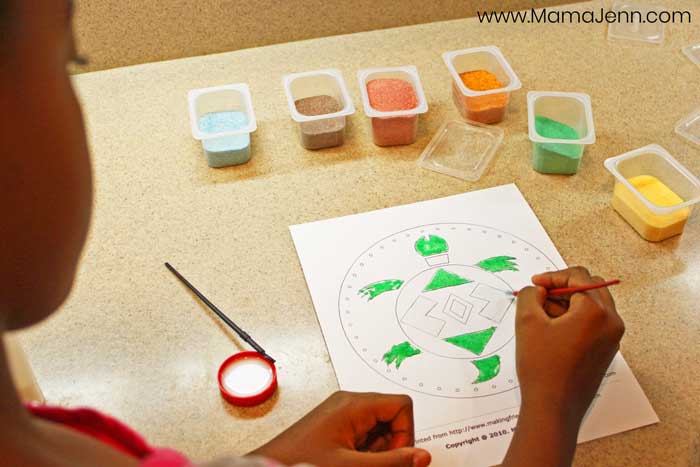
x=464, y=411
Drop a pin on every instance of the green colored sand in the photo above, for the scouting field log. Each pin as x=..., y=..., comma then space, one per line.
x=488, y=368
x=498, y=264
x=433, y=245
x=443, y=279
x=378, y=288
x=556, y=158
x=399, y=353
x=474, y=342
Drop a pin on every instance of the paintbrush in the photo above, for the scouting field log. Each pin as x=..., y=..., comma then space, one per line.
x=573, y=290
x=244, y=335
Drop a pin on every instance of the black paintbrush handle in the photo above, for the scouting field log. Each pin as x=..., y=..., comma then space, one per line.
x=244, y=335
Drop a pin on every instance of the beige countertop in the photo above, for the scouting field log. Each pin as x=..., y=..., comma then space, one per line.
x=131, y=340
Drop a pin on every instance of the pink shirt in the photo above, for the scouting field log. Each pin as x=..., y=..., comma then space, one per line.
x=119, y=436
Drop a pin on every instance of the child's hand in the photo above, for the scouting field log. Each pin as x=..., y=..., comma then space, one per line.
x=351, y=429
x=564, y=346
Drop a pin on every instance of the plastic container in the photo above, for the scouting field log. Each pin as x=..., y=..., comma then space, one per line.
x=222, y=118
x=653, y=192
x=693, y=53
x=689, y=127
x=394, y=127
x=462, y=149
x=557, y=155
x=481, y=106
x=319, y=102
x=637, y=28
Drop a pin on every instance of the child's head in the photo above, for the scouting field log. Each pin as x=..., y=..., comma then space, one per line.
x=45, y=176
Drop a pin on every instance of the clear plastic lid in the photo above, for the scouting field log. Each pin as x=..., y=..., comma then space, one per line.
x=633, y=25
x=462, y=149
x=689, y=127
x=692, y=51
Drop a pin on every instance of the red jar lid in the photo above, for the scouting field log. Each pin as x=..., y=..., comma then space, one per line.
x=247, y=378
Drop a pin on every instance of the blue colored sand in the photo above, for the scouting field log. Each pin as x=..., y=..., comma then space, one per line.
x=225, y=150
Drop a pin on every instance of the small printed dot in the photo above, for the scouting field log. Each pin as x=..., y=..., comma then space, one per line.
x=404, y=378
x=388, y=370
x=349, y=286
x=469, y=229
x=538, y=258
x=371, y=255
x=420, y=384
x=483, y=231
x=364, y=349
x=437, y=228
x=349, y=325
x=527, y=249
x=476, y=389
x=453, y=228
x=548, y=268
x=362, y=264
x=408, y=235
x=513, y=242
x=500, y=236
x=393, y=240
x=439, y=388
x=357, y=337
x=510, y=380
x=347, y=299
x=381, y=247
x=347, y=312
x=457, y=390
x=493, y=386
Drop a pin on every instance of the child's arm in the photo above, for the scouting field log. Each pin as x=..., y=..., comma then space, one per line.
x=563, y=349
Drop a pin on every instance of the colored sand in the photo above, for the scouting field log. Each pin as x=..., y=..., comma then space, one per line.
x=389, y=94
x=498, y=264
x=474, y=342
x=651, y=226
x=378, y=288
x=225, y=150
x=443, y=279
x=433, y=245
x=488, y=368
x=399, y=353
x=392, y=94
x=322, y=133
x=556, y=158
x=489, y=108
x=480, y=80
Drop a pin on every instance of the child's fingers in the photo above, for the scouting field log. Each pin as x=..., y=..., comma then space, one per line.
x=605, y=294
x=403, y=457
x=531, y=301
x=556, y=308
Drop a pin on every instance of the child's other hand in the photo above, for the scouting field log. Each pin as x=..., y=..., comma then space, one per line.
x=351, y=429
x=564, y=346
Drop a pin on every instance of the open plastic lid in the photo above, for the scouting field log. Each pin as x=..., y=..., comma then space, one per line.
x=689, y=127
x=247, y=378
x=462, y=149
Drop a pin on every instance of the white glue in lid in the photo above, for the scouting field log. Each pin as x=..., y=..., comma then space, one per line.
x=247, y=378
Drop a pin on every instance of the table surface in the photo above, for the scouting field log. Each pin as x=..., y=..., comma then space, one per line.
x=133, y=342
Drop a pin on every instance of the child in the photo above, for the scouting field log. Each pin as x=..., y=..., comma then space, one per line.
x=563, y=349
